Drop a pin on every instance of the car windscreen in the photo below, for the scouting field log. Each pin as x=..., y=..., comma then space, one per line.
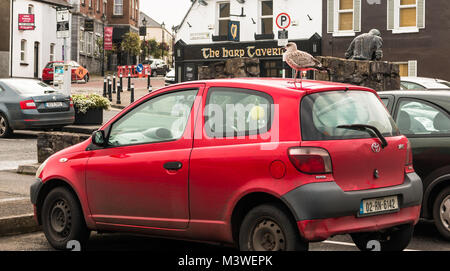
x=436, y=85
x=323, y=112
x=30, y=87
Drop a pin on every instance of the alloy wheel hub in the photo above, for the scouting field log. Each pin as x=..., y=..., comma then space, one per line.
x=445, y=212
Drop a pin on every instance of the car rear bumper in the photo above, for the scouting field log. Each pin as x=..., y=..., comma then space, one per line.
x=324, y=209
x=32, y=119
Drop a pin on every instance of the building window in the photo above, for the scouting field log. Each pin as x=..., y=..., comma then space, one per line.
x=408, y=69
x=98, y=5
x=30, y=9
x=89, y=42
x=266, y=17
x=23, y=49
x=224, y=18
x=81, y=41
x=406, y=16
x=118, y=7
x=344, y=17
x=90, y=3
x=52, y=52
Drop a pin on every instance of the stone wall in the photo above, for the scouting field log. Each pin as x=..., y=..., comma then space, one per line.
x=53, y=142
x=231, y=68
x=378, y=75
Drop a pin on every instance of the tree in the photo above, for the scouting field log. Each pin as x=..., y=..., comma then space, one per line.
x=131, y=43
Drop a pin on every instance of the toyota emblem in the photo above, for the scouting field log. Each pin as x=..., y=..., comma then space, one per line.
x=376, y=147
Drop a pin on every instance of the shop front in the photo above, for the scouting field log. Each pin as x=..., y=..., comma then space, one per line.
x=236, y=59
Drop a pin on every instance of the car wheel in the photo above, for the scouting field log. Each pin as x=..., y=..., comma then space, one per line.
x=395, y=239
x=63, y=220
x=5, y=129
x=86, y=78
x=441, y=213
x=269, y=228
x=154, y=74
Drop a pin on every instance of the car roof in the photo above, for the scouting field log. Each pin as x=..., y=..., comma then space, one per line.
x=420, y=79
x=280, y=84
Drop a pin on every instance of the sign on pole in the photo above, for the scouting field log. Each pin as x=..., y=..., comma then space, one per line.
x=108, y=42
x=26, y=22
x=283, y=37
x=283, y=21
x=62, y=23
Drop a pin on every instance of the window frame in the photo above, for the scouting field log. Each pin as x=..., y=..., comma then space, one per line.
x=115, y=5
x=224, y=135
x=222, y=18
x=52, y=52
x=262, y=17
x=23, y=50
x=428, y=103
x=397, y=29
x=336, y=19
x=108, y=130
x=82, y=40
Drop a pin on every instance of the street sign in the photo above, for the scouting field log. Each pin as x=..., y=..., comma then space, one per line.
x=81, y=72
x=139, y=68
x=234, y=29
x=283, y=21
x=283, y=38
x=143, y=31
x=26, y=22
x=89, y=25
x=62, y=16
x=62, y=23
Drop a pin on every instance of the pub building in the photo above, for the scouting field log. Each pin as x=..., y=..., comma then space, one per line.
x=214, y=32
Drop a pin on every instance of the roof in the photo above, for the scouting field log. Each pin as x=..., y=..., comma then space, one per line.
x=61, y=3
x=309, y=86
x=150, y=21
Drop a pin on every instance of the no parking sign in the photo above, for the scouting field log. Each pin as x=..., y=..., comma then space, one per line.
x=283, y=20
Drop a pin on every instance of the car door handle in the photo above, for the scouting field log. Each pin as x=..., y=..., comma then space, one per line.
x=173, y=165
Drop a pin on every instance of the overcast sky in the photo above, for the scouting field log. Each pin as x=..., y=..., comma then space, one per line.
x=171, y=12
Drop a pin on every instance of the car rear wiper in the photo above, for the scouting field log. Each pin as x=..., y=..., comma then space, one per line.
x=49, y=91
x=365, y=127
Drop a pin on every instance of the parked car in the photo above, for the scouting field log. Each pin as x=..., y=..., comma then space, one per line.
x=424, y=117
x=27, y=104
x=422, y=83
x=170, y=77
x=158, y=66
x=264, y=165
x=47, y=73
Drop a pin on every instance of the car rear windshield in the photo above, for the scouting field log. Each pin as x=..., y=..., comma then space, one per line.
x=323, y=112
x=30, y=87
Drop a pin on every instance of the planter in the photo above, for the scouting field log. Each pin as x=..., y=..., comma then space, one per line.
x=92, y=117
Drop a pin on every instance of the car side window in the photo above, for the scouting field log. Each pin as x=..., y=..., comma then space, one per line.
x=233, y=112
x=415, y=117
x=160, y=119
x=411, y=86
x=385, y=101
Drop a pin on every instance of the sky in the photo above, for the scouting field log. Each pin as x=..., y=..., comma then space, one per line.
x=171, y=12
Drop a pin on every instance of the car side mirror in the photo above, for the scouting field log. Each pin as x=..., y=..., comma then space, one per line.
x=98, y=138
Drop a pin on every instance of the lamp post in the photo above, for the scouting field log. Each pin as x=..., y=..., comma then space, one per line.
x=144, y=23
x=103, y=49
x=162, y=43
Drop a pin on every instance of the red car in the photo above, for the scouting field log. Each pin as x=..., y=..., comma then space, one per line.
x=47, y=72
x=262, y=164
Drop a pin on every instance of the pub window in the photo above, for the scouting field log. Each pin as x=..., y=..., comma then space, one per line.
x=224, y=18
x=266, y=17
x=118, y=7
x=343, y=17
x=406, y=16
x=23, y=50
x=408, y=68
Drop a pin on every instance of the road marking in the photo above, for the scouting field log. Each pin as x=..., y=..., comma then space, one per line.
x=8, y=165
x=13, y=199
x=352, y=245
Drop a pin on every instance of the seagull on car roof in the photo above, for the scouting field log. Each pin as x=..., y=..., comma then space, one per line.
x=301, y=61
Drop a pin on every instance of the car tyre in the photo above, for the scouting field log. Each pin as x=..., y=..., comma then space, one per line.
x=441, y=213
x=62, y=219
x=154, y=73
x=268, y=227
x=86, y=78
x=5, y=128
x=395, y=239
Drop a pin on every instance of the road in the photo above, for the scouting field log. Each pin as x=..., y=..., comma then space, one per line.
x=425, y=239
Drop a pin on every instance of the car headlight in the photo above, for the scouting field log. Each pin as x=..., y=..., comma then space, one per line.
x=41, y=168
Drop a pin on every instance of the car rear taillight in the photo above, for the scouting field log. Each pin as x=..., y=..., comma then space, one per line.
x=28, y=104
x=409, y=155
x=71, y=102
x=311, y=160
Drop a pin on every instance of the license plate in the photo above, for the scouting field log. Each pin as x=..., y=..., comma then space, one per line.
x=379, y=206
x=54, y=104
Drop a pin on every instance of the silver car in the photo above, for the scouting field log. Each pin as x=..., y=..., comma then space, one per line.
x=27, y=104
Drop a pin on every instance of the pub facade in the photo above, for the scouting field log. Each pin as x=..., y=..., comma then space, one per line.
x=214, y=32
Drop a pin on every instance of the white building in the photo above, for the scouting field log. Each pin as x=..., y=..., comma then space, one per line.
x=33, y=49
x=206, y=28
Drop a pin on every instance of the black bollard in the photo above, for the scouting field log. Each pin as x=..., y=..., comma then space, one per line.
x=119, y=89
x=121, y=82
x=149, y=85
x=109, y=89
x=129, y=82
x=104, y=87
x=132, y=93
x=114, y=83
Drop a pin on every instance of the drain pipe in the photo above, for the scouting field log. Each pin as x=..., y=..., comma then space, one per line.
x=11, y=36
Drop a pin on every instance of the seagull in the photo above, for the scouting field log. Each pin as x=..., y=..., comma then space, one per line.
x=301, y=61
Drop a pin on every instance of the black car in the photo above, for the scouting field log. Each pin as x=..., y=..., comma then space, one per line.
x=27, y=104
x=424, y=117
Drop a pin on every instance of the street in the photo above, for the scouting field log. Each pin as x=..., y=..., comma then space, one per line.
x=426, y=238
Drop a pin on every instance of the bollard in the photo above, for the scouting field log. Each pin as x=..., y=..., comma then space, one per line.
x=129, y=82
x=149, y=85
x=121, y=82
x=132, y=94
x=104, y=87
x=109, y=89
x=114, y=83
x=119, y=89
